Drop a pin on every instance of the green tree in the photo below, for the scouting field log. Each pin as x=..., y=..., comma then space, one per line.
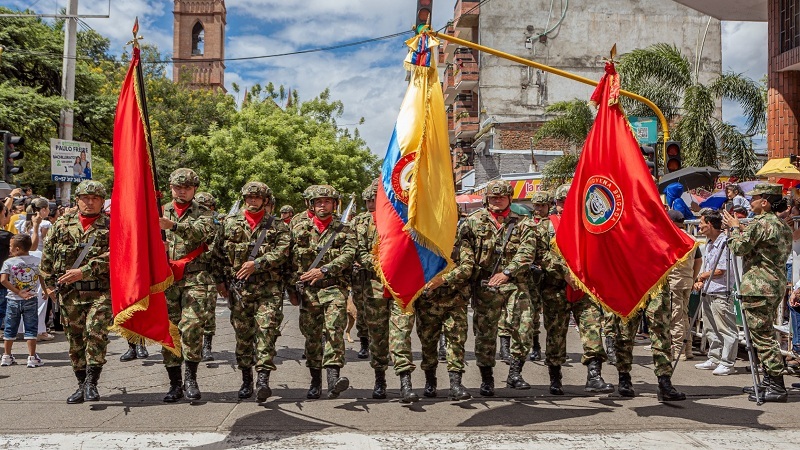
x=667, y=77
x=287, y=149
x=571, y=124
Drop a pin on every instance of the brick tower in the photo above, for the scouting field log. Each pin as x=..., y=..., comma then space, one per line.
x=199, y=43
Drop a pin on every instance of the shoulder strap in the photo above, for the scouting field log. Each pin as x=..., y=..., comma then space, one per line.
x=261, y=237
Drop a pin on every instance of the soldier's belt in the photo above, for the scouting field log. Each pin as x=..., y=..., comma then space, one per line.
x=89, y=286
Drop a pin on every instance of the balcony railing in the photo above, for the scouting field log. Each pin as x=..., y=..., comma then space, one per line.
x=466, y=77
x=467, y=124
x=465, y=13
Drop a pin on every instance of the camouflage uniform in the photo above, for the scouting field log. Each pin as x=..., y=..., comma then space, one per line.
x=86, y=304
x=323, y=305
x=443, y=311
x=374, y=307
x=257, y=302
x=209, y=319
x=764, y=246
x=481, y=238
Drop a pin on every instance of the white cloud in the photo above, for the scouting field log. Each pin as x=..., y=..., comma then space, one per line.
x=744, y=50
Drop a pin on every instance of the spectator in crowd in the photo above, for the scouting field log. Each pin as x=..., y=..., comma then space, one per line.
x=681, y=278
x=739, y=212
x=719, y=319
x=736, y=198
x=673, y=193
x=20, y=276
x=5, y=243
x=36, y=225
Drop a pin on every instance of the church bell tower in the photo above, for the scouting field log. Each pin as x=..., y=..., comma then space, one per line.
x=199, y=43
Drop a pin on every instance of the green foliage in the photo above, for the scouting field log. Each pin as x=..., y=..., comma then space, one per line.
x=667, y=78
x=559, y=170
x=572, y=123
x=287, y=149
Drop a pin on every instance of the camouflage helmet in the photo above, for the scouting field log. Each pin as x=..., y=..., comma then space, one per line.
x=322, y=191
x=184, y=177
x=371, y=191
x=287, y=209
x=260, y=189
x=561, y=192
x=206, y=199
x=542, y=197
x=499, y=188
x=91, y=187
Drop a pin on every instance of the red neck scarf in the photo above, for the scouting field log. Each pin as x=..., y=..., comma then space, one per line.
x=86, y=222
x=254, y=218
x=181, y=208
x=310, y=214
x=322, y=224
x=287, y=220
x=500, y=217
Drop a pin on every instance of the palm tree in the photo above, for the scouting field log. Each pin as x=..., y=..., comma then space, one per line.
x=666, y=77
x=571, y=125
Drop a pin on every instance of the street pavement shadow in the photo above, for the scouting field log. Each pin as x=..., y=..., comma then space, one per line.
x=705, y=414
x=524, y=413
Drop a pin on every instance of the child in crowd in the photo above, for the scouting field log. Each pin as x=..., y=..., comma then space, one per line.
x=20, y=275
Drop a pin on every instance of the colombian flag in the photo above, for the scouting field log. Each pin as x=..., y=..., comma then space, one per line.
x=416, y=213
x=615, y=235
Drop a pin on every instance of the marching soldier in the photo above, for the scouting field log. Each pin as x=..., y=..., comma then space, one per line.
x=374, y=308
x=209, y=319
x=541, y=201
x=287, y=212
x=75, y=261
x=499, y=247
x=364, y=286
x=249, y=252
x=189, y=227
x=321, y=291
x=764, y=246
x=442, y=310
x=559, y=300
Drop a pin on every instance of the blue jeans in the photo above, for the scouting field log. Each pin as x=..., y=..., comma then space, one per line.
x=794, y=323
x=25, y=310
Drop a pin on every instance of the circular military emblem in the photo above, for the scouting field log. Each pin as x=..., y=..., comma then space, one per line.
x=603, y=204
x=401, y=176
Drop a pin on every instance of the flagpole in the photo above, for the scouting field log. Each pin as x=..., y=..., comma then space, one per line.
x=553, y=70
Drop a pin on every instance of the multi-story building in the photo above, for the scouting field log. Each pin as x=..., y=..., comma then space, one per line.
x=496, y=105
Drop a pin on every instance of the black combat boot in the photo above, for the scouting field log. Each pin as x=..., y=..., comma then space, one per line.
x=90, y=393
x=430, y=383
x=611, y=350
x=206, y=354
x=336, y=384
x=175, y=385
x=457, y=390
x=442, y=348
x=141, y=351
x=505, y=344
x=774, y=390
x=762, y=386
x=487, y=381
x=556, y=388
x=379, y=391
x=594, y=380
x=77, y=397
x=190, y=381
x=536, y=350
x=667, y=392
x=406, y=394
x=364, y=352
x=130, y=354
x=515, y=380
x=625, y=386
x=246, y=391
x=263, y=391
x=316, y=384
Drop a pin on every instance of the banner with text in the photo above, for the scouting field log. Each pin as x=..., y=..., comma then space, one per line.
x=70, y=160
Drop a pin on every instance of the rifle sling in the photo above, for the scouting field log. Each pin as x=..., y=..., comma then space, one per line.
x=84, y=252
x=511, y=224
x=260, y=239
x=325, y=247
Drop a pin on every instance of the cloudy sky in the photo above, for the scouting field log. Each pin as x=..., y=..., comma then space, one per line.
x=368, y=78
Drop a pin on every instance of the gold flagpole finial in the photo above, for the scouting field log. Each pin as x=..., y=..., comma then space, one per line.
x=135, y=31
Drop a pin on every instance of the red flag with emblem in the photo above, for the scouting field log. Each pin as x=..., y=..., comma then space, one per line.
x=139, y=267
x=615, y=235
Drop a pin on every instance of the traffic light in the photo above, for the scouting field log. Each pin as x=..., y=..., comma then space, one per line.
x=424, y=8
x=649, y=154
x=673, y=152
x=11, y=154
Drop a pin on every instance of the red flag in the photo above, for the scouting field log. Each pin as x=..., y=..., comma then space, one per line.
x=615, y=235
x=139, y=268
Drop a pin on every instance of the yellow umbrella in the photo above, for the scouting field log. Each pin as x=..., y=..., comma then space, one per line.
x=779, y=167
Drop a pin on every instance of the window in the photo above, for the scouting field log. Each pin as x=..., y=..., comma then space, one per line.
x=198, y=33
x=789, y=24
